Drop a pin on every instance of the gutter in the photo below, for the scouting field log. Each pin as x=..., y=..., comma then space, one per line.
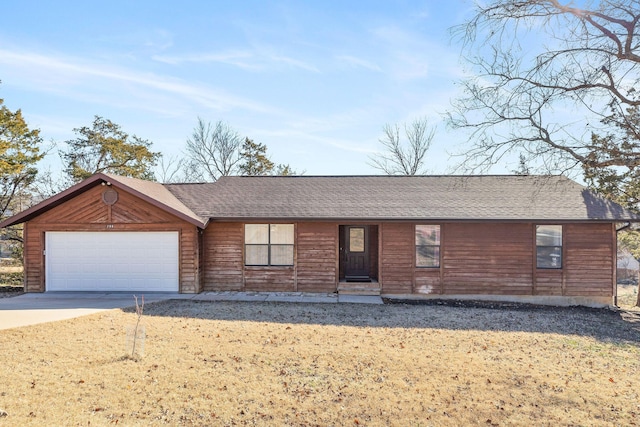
x=624, y=227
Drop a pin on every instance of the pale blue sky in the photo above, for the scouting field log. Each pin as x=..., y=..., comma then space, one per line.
x=314, y=81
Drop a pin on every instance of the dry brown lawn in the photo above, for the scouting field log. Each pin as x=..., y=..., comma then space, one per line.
x=228, y=363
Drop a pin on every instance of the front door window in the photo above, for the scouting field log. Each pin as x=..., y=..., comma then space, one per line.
x=356, y=239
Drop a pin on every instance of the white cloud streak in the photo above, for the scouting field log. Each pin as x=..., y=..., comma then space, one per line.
x=358, y=62
x=256, y=60
x=50, y=72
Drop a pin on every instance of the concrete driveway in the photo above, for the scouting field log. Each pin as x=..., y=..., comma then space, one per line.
x=30, y=309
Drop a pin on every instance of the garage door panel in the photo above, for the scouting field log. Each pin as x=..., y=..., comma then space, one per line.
x=112, y=261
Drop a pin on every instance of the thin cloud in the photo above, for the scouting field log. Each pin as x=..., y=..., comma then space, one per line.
x=411, y=56
x=257, y=60
x=295, y=135
x=148, y=40
x=358, y=62
x=72, y=72
x=294, y=63
x=240, y=59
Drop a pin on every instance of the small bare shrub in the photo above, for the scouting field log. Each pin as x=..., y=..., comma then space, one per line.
x=136, y=334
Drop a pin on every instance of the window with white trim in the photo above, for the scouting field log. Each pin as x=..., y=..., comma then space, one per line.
x=268, y=244
x=549, y=246
x=427, y=246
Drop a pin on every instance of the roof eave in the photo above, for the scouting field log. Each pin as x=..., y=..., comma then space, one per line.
x=414, y=219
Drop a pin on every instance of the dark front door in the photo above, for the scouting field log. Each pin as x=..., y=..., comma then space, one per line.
x=356, y=253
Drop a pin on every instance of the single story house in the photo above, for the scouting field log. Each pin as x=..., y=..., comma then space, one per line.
x=540, y=239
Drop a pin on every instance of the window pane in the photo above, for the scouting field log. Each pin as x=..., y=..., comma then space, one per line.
x=428, y=256
x=282, y=234
x=427, y=234
x=356, y=240
x=256, y=255
x=549, y=256
x=256, y=233
x=281, y=254
x=549, y=235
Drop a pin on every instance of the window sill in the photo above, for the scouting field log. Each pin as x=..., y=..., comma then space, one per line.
x=259, y=267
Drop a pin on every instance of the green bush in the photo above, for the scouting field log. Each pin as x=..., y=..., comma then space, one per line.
x=11, y=279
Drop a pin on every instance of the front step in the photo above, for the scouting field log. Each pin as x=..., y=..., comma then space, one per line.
x=372, y=289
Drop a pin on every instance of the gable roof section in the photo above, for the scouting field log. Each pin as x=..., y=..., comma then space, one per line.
x=149, y=191
x=484, y=197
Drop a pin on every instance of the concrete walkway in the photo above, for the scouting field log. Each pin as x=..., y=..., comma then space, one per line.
x=34, y=308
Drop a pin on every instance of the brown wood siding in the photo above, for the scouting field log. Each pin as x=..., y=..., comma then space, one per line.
x=588, y=259
x=316, y=256
x=487, y=259
x=224, y=268
x=548, y=282
x=33, y=259
x=373, y=252
x=223, y=264
x=397, y=258
x=477, y=258
x=87, y=212
x=341, y=257
x=201, y=260
x=189, y=263
x=130, y=209
x=266, y=279
x=427, y=281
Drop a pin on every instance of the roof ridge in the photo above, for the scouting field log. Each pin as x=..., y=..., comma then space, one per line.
x=394, y=176
x=186, y=183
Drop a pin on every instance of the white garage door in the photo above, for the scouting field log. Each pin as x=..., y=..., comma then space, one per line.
x=111, y=261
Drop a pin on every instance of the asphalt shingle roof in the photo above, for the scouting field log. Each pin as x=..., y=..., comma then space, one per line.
x=157, y=192
x=541, y=198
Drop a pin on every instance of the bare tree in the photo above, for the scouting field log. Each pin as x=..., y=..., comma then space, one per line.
x=404, y=158
x=49, y=183
x=547, y=75
x=213, y=151
x=172, y=169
